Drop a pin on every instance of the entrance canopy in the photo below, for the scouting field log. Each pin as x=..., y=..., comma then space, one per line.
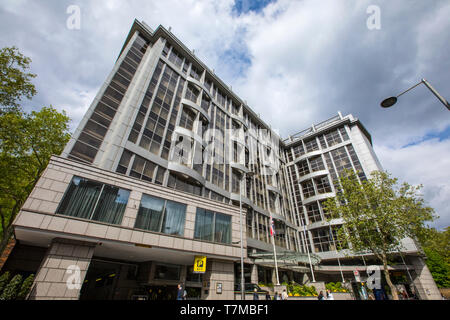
x=286, y=258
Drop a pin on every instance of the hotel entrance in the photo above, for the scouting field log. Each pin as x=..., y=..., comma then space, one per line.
x=162, y=292
x=108, y=280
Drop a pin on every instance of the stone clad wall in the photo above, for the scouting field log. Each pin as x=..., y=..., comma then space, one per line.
x=218, y=271
x=423, y=281
x=51, y=280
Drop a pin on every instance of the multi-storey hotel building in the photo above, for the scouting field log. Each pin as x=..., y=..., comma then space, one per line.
x=155, y=173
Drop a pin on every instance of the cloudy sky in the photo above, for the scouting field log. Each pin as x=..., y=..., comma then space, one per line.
x=294, y=62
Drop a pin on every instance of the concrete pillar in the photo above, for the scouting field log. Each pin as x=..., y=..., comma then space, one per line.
x=423, y=280
x=291, y=275
x=320, y=286
x=254, y=275
x=219, y=273
x=61, y=263
x=305, y=279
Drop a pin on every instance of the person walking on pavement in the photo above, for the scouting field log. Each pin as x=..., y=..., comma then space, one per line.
x=329, y=295
x=255, y=295
x=320, y=296
x=284, y=295
x=179, y=292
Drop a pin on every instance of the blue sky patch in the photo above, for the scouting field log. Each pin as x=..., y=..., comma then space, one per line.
x=245, y=6
x=442, y=135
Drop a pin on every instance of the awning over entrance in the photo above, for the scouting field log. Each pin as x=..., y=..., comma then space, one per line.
x=286, y=258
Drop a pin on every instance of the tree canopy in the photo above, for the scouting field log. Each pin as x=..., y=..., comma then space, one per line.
x=15, y=80
x=378, y=214
x=27, y=140
x=437, y=249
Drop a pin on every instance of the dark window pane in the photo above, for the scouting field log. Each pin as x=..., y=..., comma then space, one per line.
x=203, y=224
x=174, y=217
x=111, y=205
x=150, y=213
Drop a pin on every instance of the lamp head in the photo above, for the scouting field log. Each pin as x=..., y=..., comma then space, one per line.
x=389, y=102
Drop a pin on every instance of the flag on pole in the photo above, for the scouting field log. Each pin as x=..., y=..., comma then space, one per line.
x=272, y=227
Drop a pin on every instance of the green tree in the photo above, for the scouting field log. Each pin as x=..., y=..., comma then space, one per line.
x=437, y=249
x=12, y=289
x=15, y=80
x=27, y=140
x=377, y=214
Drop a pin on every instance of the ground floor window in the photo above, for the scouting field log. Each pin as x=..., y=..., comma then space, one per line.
x=160, y=215
x=167, y=272
x=93, y=200
x=212, y=226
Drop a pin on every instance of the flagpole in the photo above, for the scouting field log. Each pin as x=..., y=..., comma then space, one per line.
x=272, y=231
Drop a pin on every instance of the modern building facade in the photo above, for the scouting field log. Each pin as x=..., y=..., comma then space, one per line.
x=155, y=173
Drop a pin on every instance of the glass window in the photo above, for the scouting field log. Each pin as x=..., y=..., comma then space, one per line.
x=193, y=277
x=212, y=226
x=308, y=189
x=303, y=168
x=167, y=272
x=124, y=162
x=344, y=134
x=313, y=212
x=299, y=150
x=84, y=196
x=311, y=145
x=150, y=213
x=111, y=205
x=187, y=118
x=160, y=215
x=184, y=185
x=173, y=221
x=203, y=224
x=323, y=184
x=316, y=164
x=222, y=232
x=333, y=138
x=192, y=93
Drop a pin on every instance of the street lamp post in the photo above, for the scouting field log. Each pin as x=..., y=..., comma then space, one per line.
x=248, y=175
x=389, y=102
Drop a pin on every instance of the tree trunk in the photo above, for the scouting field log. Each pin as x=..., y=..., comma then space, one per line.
x=388, y=279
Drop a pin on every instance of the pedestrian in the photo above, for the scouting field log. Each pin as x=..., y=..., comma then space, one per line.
x=275, y=296
x=255, y=295
x=179, y=292
x=268, y=295
x=329, y=295
x=405, y=294
x=284, y=295
x=279, y=296
x=320, y=296
x=185, y=294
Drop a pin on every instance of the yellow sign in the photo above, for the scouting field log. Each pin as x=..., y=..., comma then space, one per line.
x=200, y=264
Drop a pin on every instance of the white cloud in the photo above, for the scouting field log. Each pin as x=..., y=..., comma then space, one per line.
x=308, y=59
x=426, y=163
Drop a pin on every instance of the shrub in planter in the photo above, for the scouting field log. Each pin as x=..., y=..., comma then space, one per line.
x=12, y=289
x=335, y=287
x=302, y=290
x=25, y=288
x=4, y=279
